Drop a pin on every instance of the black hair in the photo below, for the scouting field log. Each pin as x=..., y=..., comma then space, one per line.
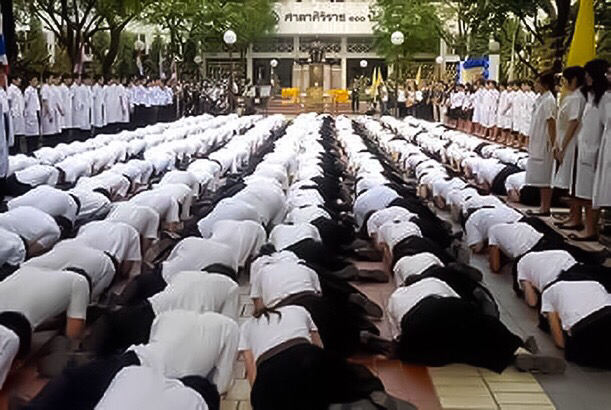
x=267, y=311
x=19, y=324
x=503, y=84
x=548, y=80
x=530, y=83
x=77, y=201
x=47, y=76
x=104, y=192
x=66, y=76
x=573, y=72
x=14, y=77
x=85, y=77
x=597, y=70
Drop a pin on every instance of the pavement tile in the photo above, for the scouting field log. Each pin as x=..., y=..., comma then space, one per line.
x=522, y=398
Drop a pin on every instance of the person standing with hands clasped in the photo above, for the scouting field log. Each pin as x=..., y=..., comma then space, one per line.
x=542, y=139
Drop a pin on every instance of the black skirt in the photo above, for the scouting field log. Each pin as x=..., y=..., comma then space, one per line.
x=306, y=377
x=588, y=344
x=439, y=331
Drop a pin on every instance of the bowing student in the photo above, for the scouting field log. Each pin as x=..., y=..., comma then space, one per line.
x=588, y=144
x=542, y=140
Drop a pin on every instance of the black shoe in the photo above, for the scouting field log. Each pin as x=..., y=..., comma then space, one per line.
x=531, y=345
x=373, y=275
x=370, y=307
x=540, y=364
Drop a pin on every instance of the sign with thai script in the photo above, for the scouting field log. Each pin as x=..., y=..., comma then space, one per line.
x=324, y=18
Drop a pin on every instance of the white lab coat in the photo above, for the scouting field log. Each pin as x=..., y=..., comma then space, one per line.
x=540, y=160
x=65, y=98
x=31, y=110
x=99, y=108
x=113, y=99
x=528, y=100
x=6, y=112
x=50, y=119
x=3, y=146
x=81, y=107
x=571, y=109
x=602, y=179
x=17, y=105
x=588, y=144
x=124, y=104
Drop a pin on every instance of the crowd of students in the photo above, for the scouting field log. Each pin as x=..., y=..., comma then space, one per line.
x=567, y=284
x=66, y=108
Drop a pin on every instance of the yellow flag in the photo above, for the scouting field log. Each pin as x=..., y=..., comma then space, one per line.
x=374, y=85
x=583, y=47
x=418, y=75
x=380, y=78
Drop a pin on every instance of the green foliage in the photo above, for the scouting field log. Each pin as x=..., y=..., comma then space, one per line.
x=35, y=55
x=125, y=65
x=416, y=19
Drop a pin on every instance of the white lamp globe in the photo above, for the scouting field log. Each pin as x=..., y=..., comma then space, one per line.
x=274, y=63
x=363, y=63
x=397, y=38
x=139, y=45
x=439, y=60
x=197, y=60
x=230, y=37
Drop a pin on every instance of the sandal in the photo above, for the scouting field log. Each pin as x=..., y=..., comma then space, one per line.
x=537, y=213
x=577, y=238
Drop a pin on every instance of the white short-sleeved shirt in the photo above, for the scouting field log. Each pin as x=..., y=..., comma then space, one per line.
x=480, y=222
x=414, y=265
x=117, y=238
x=142, y=218
x=141, y=387
x=12, y=248
x=514, y=239
x=262, y=334
x=32, y=224
x=283, y=236
x=274, y=282
x=395, y=230
x=9, y=347
x=184, y=343
x=379, y=218
x=228, y=208
x=68, y=254
x=197, y=254
x=306, y=214
x=49, y=200
x=182, y=177
x=38, y=174
x=406, y=297
x=162, y=202
x=93, y=204
x=574, y=300
x=542, y=268
x=41, y=294
x=198, y=292
x=244, y=237
x=373, y=199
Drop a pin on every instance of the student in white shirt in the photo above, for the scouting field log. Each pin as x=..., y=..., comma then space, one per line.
x=51, y=111
x=15, y=341
x=31, y=115
x=82, y=106
x=181, y=344
x=66, y=102
x=142, y=218
x=17, y=108
x=285, y=364
x=12, y=252
x=115, y=104
x=38, y=229
x=61, y=205
x=245, y=237
x=433, y=326
x=579, y=315
x=196, y=291
x=98, y=107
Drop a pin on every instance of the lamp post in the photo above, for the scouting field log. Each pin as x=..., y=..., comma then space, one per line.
x=397, y=38
x=439, y=62
x=230, y=37
x=198, y=60
x=363, y=64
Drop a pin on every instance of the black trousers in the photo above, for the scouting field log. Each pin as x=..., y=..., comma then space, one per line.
x=551, y=243
x=439, y=331
x=306, y=377
x=317, y=255
x=116, y=331
x=143, y=286
x=588, y=344
x=332, y=233
x=81, y=387
x=31, y=143
x=13, y=187
x=498, y=183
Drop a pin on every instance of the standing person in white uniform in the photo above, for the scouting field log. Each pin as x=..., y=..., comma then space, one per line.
x=81, y=107
x=542, y=140
x=602, y=185
x=51, y=111
x=501, y=116
x=31, y=115
x=528, y=101
x=66, y=103
x=98, y=111
x=567, y=128
x=588, y=144
x=16, y=106
x=115, y=103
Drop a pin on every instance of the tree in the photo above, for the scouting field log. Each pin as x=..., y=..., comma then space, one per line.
x=35, y=56
x=125, y=65
x=416, y=19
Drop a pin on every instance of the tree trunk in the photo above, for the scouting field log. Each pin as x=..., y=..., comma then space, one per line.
x=113, y=50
